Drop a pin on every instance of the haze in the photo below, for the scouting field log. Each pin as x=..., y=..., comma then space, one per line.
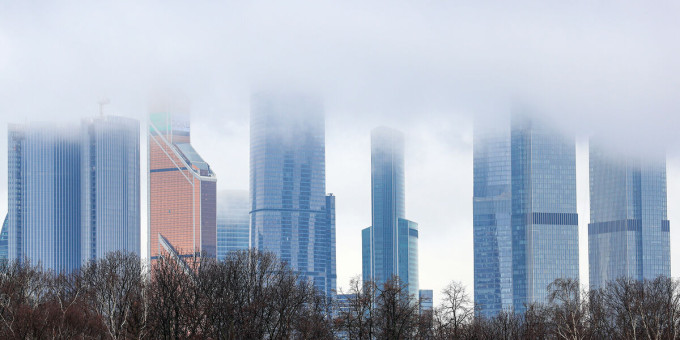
x=429, y=68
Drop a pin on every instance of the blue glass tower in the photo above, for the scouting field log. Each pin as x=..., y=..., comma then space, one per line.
x=44, y=203
x=233, y=221
x=366, y=255
x=392, y=240
x=3, y=240
x=629, y=233
x=110, y=186
x=544, y=218
x=73, y=192
x=525, y=220
x=426, y=300
x=491, y=206
x=290, y=212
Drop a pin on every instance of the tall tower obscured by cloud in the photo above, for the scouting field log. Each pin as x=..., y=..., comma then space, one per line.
x=544, y=218
x=290, y=212
x=628, y=234
x=74, y=193
x=110, y=186
x=182, y=188
x=233, y=222
x=529, y=176
x=44, y=202
x=491, y=218
x=392, y=240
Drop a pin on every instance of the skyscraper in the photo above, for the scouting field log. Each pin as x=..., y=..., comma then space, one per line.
x=73, y=193
x=426, y=300
x=182, y=188
x=392, y=240
x=44, y=203
x=291, y=215
x=3, y=239
x=628, y=234
x=525, y=220
x=233, y=221
x=491, y=207
x=110, y=186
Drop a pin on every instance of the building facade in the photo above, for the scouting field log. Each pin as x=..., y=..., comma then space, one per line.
x=3, y=239
x=492, y=231
x=629, y=233
x=291, y=215
x=182, y=188
x=391, y=242
x=233, y=221
x=426, y=300
x=110, y=181
x=44, y=203
x=73, y=192
x=541, y=244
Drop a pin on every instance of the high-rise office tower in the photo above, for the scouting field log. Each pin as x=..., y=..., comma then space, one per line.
x=73, y=192
x=291, y=215
x=392, y=240
x=233, y=221
x=182, y=188
x=110, y=186
x=3, y=239
x=426, y=300
x=525, y=220
x=628, y=234
x=491, y=207
x=44, y=203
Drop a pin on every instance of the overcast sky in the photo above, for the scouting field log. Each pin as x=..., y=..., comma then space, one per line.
x=429, y=68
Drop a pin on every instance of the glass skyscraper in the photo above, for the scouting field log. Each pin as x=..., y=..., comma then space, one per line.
x=629, y=233
x=426, y=300
x=233, y=221
x=525, y=220
x=44, y=203
x=391, y=243
x=491, y=206
x=110, y=184
x=291, y=215
x=182, y=188
x=73, y=192
x=3, y=239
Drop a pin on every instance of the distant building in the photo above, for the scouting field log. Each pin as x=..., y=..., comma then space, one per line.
x=366, y=255
x=629, y=231
x=44, y=203
x=182, y=188
x=73, y=192
x=426, y=300
x=233, y=222
x=110, y=181
x=291, y=215
x=344, y=301
x=525, y=220
x=3, y=240
x=492, y=211
x=390, y=245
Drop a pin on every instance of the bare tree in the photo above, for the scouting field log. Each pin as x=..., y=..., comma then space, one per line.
x=115, y=291
x=355, y=313
x=396, y=312
x=568, y=312
x=455, y=312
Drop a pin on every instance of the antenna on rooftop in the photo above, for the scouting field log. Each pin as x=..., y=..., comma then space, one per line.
x=102, y=102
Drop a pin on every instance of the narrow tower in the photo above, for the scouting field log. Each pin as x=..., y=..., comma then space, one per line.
x=392, y=240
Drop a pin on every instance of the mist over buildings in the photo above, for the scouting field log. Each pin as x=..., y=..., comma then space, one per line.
x=427, y=68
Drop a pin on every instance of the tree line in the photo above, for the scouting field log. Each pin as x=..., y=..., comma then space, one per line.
x=253, y=295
